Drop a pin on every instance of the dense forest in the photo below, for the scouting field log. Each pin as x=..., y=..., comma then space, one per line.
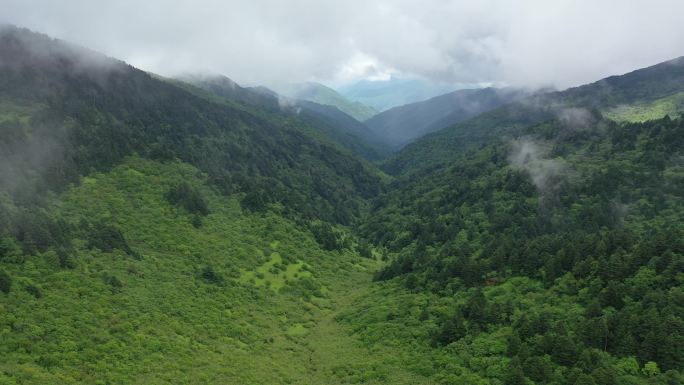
x=175, y=231
x=593, y=213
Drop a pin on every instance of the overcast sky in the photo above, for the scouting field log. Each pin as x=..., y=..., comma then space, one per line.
x=557, y=43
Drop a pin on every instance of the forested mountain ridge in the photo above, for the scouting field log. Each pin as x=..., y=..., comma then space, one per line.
x=93, y=111
x=327, y=120
x=588, y=217
x=610, y=95
x=400, y=125
x=151, y=235
x=640, y=85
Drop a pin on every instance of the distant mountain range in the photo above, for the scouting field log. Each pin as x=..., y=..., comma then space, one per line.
x=650, y=92
x=328, y=119
x=385, y=94
x=318, y=93
x=402, y=124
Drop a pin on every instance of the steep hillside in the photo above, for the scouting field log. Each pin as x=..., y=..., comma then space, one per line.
x=557, y=255
x=318, y=93
x=443, y=147
x=318, y=119
x=400, y=125
x=150, y=235
x=616, y=93
x=672, y=105
x=146, y=295
x=71, y=111
x=639, y=86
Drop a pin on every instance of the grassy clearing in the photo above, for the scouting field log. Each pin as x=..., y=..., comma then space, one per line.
x=10, y=110
x=276, y=273
x=672, y=105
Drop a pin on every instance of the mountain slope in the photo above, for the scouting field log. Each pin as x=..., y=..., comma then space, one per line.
x=403, y=124
x=641, y=85
x=150, y=235
x=635, y=88
x=324, y=120
x=235, y=300
x=318, y=93
x=93, y=111
x=556, y=256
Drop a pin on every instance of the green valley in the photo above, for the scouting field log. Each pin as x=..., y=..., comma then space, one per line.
x=193, y=231
x=178, y=310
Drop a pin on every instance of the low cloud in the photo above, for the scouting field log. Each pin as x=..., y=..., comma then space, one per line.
x=527, y=43
x=288, y=105
x=531, y=156
x=576, y=118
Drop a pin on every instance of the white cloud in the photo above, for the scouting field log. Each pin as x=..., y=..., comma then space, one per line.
x=529, y=42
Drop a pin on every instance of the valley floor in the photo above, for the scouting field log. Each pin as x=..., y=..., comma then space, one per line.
x=240, y=298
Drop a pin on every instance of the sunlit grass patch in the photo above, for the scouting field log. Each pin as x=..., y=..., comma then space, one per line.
x=297, y=330
x=276, y=273
x=672, y=105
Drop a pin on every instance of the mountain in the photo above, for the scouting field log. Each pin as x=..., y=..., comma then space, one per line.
x=385, y=94
x=95, y=111
x=528, y=232
x=400, y=125
x=318, y=93
x=558, y=253
x=324, y=120
x=645, y=91
x=150, y=233
x=160, y=232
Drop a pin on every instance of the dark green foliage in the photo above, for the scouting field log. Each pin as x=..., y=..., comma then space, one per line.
x=185, y=196
x=445, y=146
x=321, y=120
x=602, y=228
x=210, y=275
x=451, y=330
x=36, y=231
x=326, y=236
x=255, y=201
x=197, y=221
x=34, y=291
x=514, y=373
x=365, y=249
x=107, y=237
x=113, y=282
x=5, y=282
x=90, y=119
x=10, y=251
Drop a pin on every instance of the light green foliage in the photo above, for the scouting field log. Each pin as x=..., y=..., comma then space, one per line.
x=275, y=273
x=672, y=105
x=156, y=320
x=9, y=110
x=651, y=369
